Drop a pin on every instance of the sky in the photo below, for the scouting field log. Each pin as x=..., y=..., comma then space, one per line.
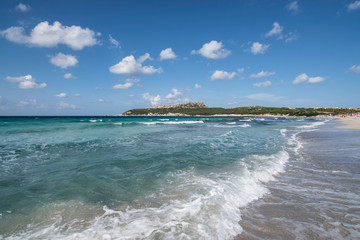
x=90, y=57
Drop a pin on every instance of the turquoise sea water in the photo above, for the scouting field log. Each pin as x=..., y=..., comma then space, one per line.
x=138, y=178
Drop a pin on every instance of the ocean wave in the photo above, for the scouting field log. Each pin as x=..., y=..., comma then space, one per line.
x=245, y=125
x=312, y=125
x=171, y=122
x=192, y=206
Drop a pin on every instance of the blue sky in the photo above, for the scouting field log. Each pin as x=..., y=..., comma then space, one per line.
x=105, y=57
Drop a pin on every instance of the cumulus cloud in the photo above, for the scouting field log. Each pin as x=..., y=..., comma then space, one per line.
x=123, y=86
x=69, y=76
x=100, y=100
x=47, y=35
x=154, y=100
x=133, y=67
x=275, y=31
x=222, y=75
x=197, y=85
x=61, y=95
x=264, y=97
x=262, y=84
x=303, y=78
x=175, y=93
x=114, y=42
x=22, y=7
x=353, y=6
x=258, y=48
x=64, y=61
x=26, y=82
x=355, y=69
x=261, y=74
x=167, y=53
x=316, y=79
x=76, y=95
x=62, y=105
x=212, y=50
x=293, y=7
x=129, y=83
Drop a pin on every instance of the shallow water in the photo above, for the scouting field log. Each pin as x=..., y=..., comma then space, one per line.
x=318, y=194
x=144, y=178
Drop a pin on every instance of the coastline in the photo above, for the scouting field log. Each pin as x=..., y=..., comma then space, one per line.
x=349, y=123
x=315, y=195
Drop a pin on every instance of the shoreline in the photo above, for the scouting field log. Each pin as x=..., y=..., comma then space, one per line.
x=285, y=214
x=349, y=123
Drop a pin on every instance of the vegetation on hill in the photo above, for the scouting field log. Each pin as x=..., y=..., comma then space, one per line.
x=208, y=111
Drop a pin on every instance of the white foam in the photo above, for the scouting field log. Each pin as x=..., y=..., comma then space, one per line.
x=245, y=120
x=231, y=123
x=172, y=122
x=245, y=125
x=312, y=125
x=92, y=121
x=193, y=206
x=283, y=132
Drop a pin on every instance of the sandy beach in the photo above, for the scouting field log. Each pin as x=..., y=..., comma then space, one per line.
x=349, y=123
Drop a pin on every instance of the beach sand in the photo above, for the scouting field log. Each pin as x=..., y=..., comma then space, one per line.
x=349, y=123
x=317, y=196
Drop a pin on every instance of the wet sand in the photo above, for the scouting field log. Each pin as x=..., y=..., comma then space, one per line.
x=349, y=123
x=317, y=197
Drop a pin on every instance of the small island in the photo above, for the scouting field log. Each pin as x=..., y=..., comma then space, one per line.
x=200, y=109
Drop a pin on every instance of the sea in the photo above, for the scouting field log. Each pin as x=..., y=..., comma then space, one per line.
x=178, y=178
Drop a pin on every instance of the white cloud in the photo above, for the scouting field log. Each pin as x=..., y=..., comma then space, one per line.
x=290, y=37
x=132, y=67
x=45, y=35
x=258, y=48
x=64, y=61
x=114, y=42
x=154, y=100
x=129, y=83
x=264, y=97
x=63, y=105
x=262, y=84
x=61, y=95
x=212, y=50
x=69, y=76
x=293, y=7
x=175, y=93
x=222, y=75
x=240, y=70
x=100, y=100
x=167, y=54
x=29, y=103
x=303, y=78
x=197, y=85
x=26, y=82
x=353, y=6
x=123, y=86
x=316, y=79
x=76, y=95
x=355, y=69
x=261, y=74
x=276, y=30
x=22, y=7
